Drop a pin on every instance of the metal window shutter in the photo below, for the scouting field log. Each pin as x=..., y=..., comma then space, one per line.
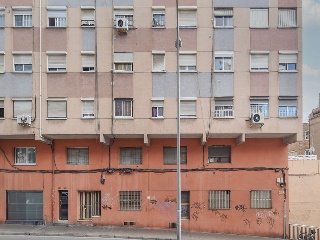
x=123, y=12
x=157, y=103
x=87, y=14
x=288, y=102
x=123, y=57
x=187, y=18
x=288, y=58
x=23, y=59
x=287, y=18
x=87, y=106
x=57, y=109
x=22, y=12
x=259, y=18
x=57, y=13
x=259, y=61
x=22, y=107
x=87, y=60
x=223, y=102
x=223, y=12
x=188, y=60
x=158, y=62
x=1, y=62
x=57, y=61
x=188, y=108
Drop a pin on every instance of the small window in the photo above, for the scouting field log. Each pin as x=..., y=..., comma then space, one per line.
x=87, y=108
x=1, y=108
x=188, y=62
x=123, y=12
x=22, y=107
x=306, y=135
x=1, y=18
x=131, y=155
x=158, y=18
x=259, y=104
x=87, y=17
x=170, y=155
x=157, y=108
x=57, y=16
x=123, y=107
x=130, y=200
x=88, y=62
x=261, y=199
x=223, y=18
x=57, y=62
x=287, y=107
x=1, y=62
x=25, y=156
x=223, y=61
x=259, y=18
x=288, y=62
x=187, y=18
x=287, y=18
x=22, y=17
x=219, y=154
x=185, y=204
x=158, y=62
x=22, y=63
x=188, y=108
x=57, y=108
x=223, y=108
x=78, y=156
x=259, y=62
x=123, y=62
x=219, y=199
x=90, y=205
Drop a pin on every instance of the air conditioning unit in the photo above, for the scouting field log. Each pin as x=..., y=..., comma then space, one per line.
x=122, y=24
x=24, y=120
x=257, y=117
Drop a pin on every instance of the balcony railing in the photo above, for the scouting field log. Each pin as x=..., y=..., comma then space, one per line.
x=303, y=157
x=223, y=113
x=298, y=231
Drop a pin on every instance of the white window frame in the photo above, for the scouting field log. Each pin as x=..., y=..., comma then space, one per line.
x=219, y=199
x=287, y=58
x=61, y=106
x=170, y=155
x=87, y=16
x=88, y=61
x=2, y=62
x=130, y=200
x=259, y=61
x=24, y=60
x=56, y=62
x=89, y=204
x=25, y=12
x=2, y=17
x=157, y=110
x=225, y=57
x=287, y=18
x=261, y=199
x=125, y=12
x=131, y=155
x=158, y=17
x=78, y=156
x=188, y=107
x=226, y=17
x=123, y=62
x=27, y=156
x=219, y=154
x=288, y=107
x=22, y=106
x=125, y=113
x=187, y=16
x=306, y=135
x=259, y=104
x=188, y=62
x=158, y=61
x=259, y=18
x=58, y=14
x=1, y=108
x=223, y=108
x=87, y=107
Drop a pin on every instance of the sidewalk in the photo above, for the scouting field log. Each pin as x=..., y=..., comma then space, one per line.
x=115, y=232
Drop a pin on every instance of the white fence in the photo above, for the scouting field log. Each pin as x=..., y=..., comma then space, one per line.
x=298, y=231
x=303, y=157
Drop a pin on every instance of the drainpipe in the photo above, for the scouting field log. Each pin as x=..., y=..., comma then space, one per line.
x=284, y=205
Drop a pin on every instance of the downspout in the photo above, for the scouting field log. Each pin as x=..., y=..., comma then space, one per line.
x=40, y=71
x=284, y=205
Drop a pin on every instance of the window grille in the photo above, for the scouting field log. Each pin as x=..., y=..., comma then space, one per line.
x=170, y=155
x=90, y=204
x=219, y=154
x=219, y=199
x=131, y=156
x=78, y=156
x=261, y=199
x=185, y=204
x=130, y=200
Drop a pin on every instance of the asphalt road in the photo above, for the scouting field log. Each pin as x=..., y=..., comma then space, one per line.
x=21, y=237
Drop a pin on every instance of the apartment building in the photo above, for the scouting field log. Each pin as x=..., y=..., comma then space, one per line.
x=88, y=108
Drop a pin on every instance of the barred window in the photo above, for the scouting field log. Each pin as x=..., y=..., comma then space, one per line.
x=130, y=200
x=90, y=204
x=170, y=155
x=219, y=199
x=261, y=199
x=78, y=156
x=219, y=154
x=185, y=204
x=131, y=155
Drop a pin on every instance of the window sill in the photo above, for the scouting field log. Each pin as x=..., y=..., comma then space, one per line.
x=164, y=71
x=223, y=117
x=162, y=27
x=19, y=72
x=227, y=27
x=288, y=27
x=288, y=71
x=186, y=71
x=52, y=27
x=262, y=71
x=25, y=164
x=123, y=118
x=93, y=26
x=157, y=118
x=286, y=117
x=117, y=71
x=188, y=117
x=187, y=27
x=56, y=72
x=88, y=71
x=88, y=118
x=22, y=26
x=57, y=118
x=221, y=71
x=259, y=27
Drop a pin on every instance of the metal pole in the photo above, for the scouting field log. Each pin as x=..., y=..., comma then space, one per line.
x=178, y=44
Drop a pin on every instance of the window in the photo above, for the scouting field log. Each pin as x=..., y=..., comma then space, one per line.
x=87, y=16
x=259, y=18
x=306, y=135
x=287, y=107
x=22, y=106
x=57, y=108
x=1, y=108
x=187, y=17
x=131, y=155
x=78, y=156
x=259, y=61
x=188, y=62
x=219, y=154
x=88, y=61
x=57, y=16
x=87, y=107
x=123, y=62
x=219, y=199
x=1, y=18
x=90, y=205
x=123, y=107
x=288, y=61
x=22, y=16
x=1, y=62
x=223, y=18
x=223, y=61
x=22, y=62
x=158, y=61
x=185, y=204
x=223, y=108
x=157, y=108
x=57, y=62
x=124, y=12
x=130, y=200
x=25, y=156
x=188, y=108
x=261, y=199
x=158, y=17
x=170, y=155
x=287, y=18
x=259, y=104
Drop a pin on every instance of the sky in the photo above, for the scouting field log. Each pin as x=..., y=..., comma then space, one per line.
x=311, y=55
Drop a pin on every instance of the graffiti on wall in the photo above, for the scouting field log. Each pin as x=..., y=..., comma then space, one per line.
x=223, y=217
x=198, y=208
x=247, y=222
x=241, y=207
x=166, y=207
x=266, y=214
x=107, y=202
